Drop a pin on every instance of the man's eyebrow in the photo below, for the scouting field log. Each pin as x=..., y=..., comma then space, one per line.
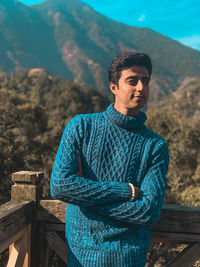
x=135, y=76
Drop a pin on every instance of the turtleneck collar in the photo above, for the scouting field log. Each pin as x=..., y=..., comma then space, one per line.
x=123, y=121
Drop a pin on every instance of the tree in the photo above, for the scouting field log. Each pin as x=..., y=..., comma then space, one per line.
x=21, y=125
x=184, y=141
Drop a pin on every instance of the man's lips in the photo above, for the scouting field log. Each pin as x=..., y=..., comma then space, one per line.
x=137, y=96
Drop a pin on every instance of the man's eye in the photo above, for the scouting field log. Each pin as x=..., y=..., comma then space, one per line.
x=133, y=81
x=145, y=81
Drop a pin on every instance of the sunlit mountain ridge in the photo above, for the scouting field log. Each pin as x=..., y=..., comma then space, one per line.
x=70, y=39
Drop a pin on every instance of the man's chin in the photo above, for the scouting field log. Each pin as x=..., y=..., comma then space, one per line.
x=136, y=106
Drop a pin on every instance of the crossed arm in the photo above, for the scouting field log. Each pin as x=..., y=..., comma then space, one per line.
x=110, y=199
x=147, y=206
x=67, y=186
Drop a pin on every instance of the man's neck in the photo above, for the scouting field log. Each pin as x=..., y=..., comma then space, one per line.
x=125, y=111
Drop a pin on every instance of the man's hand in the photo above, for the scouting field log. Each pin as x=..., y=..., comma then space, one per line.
x=137, y=192
x=80, y=170
x=134, y=192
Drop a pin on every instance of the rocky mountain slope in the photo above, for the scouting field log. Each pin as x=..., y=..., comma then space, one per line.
x=73, y=41
x=184, y=102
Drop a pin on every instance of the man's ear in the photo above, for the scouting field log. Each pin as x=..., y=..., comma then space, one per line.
x=113, y=87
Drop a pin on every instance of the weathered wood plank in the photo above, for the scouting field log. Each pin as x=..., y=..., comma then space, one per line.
x=157, y=237
x=27, y=260
x=57, y=227
x=179, y=219
x=58, y=245
x=14, y=216
x=31, y=177
x=17, y=253
x=187, y=257
x=27, y=186
x=53, y=211
x=172, y=237
x=174, y=218
x=24, y=253
x=12, y=239
x=41, y=246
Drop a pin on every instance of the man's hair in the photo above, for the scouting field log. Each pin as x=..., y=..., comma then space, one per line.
x=125, y=61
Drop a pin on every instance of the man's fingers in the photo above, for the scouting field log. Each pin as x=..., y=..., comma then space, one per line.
x=137, y=192
x=80, y=171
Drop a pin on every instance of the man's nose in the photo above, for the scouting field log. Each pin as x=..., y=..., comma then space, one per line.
x=139, y=85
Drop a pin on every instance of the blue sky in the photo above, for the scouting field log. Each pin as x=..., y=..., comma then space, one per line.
x=177, y=19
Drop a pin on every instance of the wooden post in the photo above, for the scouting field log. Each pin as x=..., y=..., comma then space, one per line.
x=27, y=186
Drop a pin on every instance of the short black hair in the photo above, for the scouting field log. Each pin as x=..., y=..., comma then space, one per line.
x=125, y=61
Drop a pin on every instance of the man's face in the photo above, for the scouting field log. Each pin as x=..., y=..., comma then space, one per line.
x=132, y=91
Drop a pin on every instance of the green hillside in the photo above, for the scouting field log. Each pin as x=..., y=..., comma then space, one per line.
x=34, y=110
x=185, y=101
x=177, y=119
x=73, y=41
x=27, y=41
x=35, y=107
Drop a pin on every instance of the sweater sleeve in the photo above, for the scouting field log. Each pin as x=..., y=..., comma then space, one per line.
x=146, y=209
x=82, y=191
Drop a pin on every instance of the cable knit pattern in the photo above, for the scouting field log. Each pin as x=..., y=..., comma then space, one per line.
x=103, y=228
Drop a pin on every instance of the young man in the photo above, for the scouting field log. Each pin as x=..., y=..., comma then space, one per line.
x=118, y=197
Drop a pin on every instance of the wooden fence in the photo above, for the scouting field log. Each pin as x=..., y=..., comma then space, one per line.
x=29, y=226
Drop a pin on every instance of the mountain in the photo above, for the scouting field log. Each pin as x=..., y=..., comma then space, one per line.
x=27, y=41
x=184, y=102
x=73, y=41
x=177, y=119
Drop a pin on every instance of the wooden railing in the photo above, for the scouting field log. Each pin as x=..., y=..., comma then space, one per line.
x=30, y=226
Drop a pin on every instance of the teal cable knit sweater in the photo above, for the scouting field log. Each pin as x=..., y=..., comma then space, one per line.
x=103, y=227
